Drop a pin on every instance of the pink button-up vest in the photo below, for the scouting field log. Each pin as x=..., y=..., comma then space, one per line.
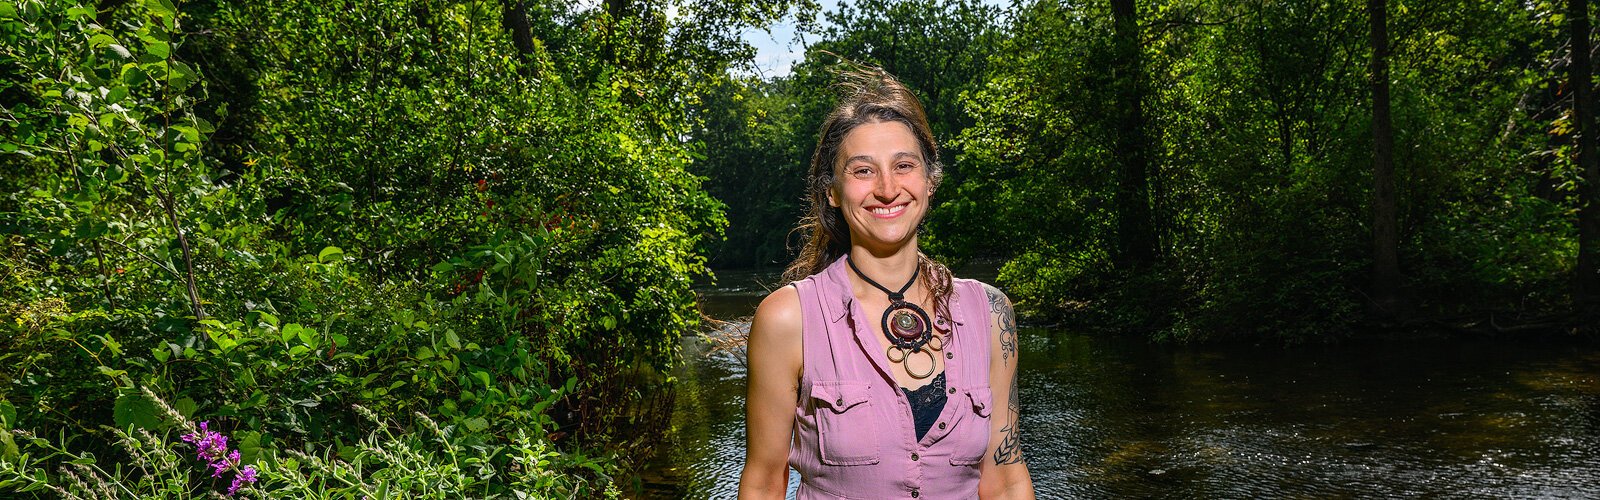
x=853, y=433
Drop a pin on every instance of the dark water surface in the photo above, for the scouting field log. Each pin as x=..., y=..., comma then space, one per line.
x=1113, y=418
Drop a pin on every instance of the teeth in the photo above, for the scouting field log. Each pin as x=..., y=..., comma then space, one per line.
x=888, y=210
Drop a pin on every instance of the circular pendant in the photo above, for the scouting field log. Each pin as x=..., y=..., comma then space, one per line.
x=906, y=325
x=932, y=363
x=891, y=352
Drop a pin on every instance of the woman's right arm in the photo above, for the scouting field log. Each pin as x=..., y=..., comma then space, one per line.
x=774, y=364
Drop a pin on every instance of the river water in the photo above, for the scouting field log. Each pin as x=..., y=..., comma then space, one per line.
x=1114, y=418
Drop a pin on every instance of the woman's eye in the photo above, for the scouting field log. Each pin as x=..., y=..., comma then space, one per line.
x=861, y=171
x=904, y=167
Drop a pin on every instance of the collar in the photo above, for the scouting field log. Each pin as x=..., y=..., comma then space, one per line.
x=836, y=276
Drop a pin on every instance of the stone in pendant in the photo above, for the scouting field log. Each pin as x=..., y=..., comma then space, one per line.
x=906, y=325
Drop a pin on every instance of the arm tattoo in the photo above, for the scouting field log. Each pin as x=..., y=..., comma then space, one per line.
x=1009, y=451
x=1007, y=319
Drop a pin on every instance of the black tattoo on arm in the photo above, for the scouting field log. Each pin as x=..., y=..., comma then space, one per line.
x=1009, y=450
x=1006, y=318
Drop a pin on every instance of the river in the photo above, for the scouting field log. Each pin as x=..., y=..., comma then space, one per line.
x=1115, y=417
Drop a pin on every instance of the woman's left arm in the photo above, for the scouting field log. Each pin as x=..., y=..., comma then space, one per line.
x=1004, y=474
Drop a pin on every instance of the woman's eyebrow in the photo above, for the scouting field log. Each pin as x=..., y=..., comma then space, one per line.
x=897, y=156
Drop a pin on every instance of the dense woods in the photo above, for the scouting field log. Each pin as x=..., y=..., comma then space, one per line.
x=392, y=247
x=1284, y=170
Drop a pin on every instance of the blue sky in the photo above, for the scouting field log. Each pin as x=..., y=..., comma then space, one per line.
x=776, y=51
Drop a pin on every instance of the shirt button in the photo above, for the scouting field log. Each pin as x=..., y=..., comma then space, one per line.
x=941, y=425
x=952, y=390
x=839, y=401
x=949, y=355
x=914, y=457
x=914, y=494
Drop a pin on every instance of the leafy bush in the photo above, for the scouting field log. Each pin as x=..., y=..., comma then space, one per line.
x=505, y=267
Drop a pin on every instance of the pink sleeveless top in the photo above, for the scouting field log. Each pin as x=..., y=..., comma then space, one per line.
x=853, y=434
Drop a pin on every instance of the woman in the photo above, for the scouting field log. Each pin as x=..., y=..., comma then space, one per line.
x=875, y=374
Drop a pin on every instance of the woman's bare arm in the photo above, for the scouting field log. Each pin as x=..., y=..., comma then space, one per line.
x=773, y=376
x=1004, y=473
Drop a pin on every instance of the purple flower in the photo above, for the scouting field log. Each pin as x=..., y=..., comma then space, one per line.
x=246, y=476
x=212, y=448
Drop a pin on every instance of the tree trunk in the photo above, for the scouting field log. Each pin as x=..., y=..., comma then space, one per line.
x=1136, y=240
x=1385, y=231
x=616, y=10
x=514, y=17
x=1587, y=277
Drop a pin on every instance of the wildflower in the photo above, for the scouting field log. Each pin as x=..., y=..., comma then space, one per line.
x=247, y=475
x=212, y=448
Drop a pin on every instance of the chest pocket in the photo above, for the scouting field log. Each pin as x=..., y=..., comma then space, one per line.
x=847, y=426
x=970, y=438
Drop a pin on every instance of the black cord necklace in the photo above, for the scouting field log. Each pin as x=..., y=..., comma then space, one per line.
x=906, y=325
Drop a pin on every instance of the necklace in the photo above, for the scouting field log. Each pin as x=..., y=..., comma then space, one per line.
x=906, y=326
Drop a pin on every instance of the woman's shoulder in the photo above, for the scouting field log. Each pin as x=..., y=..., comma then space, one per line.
x=990, y=292
x=783, y=303
x=778, y=313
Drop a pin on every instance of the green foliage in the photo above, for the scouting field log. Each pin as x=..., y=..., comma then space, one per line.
x=425, y=460
x=436, y=212
x=1261, y=188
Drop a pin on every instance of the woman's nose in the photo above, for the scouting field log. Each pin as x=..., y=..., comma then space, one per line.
x=885, y=187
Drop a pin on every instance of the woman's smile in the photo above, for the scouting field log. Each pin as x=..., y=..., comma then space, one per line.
x=888, y=212
x=883, y=185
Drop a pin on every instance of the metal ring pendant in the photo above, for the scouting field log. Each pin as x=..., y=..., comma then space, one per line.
x=932, y=363
x=922, y=323
x=890, y=354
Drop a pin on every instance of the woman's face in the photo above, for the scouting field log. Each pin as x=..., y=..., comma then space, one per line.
x=883, y=188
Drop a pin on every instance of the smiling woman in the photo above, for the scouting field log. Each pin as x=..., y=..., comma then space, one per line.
x=852, y=382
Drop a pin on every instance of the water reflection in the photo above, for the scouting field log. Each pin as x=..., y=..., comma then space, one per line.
x=1118, y=418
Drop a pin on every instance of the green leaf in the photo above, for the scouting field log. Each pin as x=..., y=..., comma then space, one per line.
x=121, y=51
x=290, y=331
x=307, y=336
x=330, y=254
x=116, y=94
x=185, y=406
x=267, y=318
x=8, y=414
x=451, y=339
x=298, y=350
x=477, y=424
x=161, y=7
x=133, y=75
x=132, y=408
x=158, y=49
x=182, y=76
x=100, y=40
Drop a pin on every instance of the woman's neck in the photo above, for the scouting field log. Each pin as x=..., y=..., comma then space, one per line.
x=889, y=268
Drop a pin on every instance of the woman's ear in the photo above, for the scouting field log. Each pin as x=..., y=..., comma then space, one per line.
x=832, y=201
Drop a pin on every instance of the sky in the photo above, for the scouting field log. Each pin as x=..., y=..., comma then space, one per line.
x=777, y=50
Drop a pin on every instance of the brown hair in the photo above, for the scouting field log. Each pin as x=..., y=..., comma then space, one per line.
x=869, y=95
